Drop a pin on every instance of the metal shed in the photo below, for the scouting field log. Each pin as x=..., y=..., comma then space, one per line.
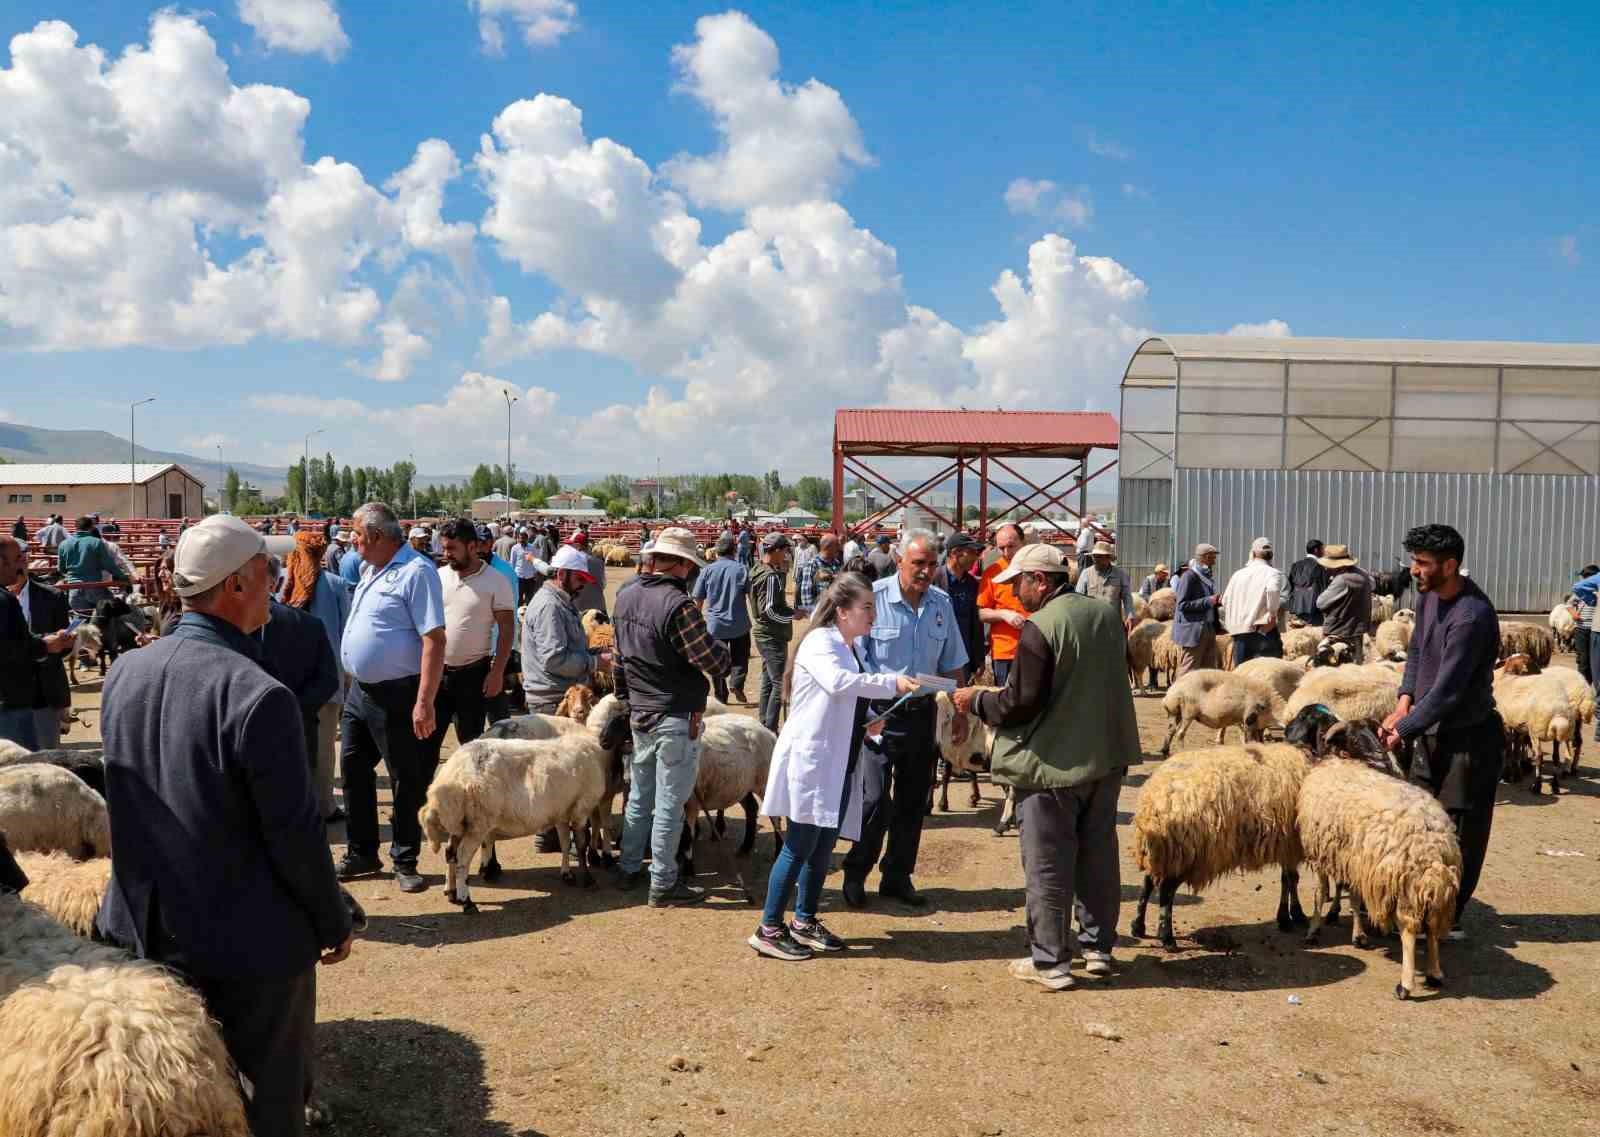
x=1225, y=438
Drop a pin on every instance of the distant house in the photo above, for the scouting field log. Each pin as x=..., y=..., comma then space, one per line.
x=573, y=515
x=644, y=491
x=113, y=489
x=570, y=499
x=490, y=506
x=796, y=518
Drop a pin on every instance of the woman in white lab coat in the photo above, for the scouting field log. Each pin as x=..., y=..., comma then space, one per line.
x=814, y=780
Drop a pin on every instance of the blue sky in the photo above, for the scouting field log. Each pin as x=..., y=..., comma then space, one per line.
x=1363, y=171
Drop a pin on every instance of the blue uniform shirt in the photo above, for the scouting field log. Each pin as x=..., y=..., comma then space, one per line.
x=913, y=641
x=350, y=566
x=393, y=608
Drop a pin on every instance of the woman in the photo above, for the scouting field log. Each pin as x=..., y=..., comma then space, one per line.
x=815, y=780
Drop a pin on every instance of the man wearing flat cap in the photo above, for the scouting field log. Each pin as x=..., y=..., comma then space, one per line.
x=219, y=866
x=1194, y=626
x=1103, y=580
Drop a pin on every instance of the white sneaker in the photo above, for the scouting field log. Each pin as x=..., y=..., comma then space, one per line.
x=1057, y=978
x=1097, y=963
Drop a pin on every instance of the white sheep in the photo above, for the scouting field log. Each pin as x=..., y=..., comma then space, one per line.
x=1382, y=609
x=43, y=808
x=1580, y=696
x=1165, y=655
x=88, y=765
x=1563, y=625
x=1393, y=638
x=70, y=891
x=1282, y=675
x=1392, y=842
x=735, y=754
x=1536, y=710
x=12, y=751
x=1163, y=604
x=1206, y=813
x=94, y=1044
x=1353, y=693
x=1219, y=700
x=501, y=788
x=968, y=757
x=1301, y=642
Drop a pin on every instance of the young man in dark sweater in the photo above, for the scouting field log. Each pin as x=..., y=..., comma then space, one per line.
x=1446, y=716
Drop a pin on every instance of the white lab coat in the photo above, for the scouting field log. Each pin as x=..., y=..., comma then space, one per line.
x=806, y=780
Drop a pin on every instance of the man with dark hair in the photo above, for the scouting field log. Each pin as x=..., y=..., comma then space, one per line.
x=813, y=577
x=1446, y=716
x=721, y=589
x=881, y=559
x=1582, y=607
x=84, y=558
x=771, y=624
x=1307, y=579
x=479, y=607
x=955, y=577
x=22, y=651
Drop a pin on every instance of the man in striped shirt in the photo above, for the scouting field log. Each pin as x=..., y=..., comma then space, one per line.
x=1582, y=607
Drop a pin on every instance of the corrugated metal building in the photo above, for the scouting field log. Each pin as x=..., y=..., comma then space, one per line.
x=1226, y=438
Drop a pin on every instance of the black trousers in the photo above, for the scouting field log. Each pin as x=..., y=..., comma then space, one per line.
x=897, y=780
x=739, y=648
x=1462, y=767
x=526, y=587
x=1254, y=645
x=1580, y=648
x=376, y=724
x=460, y=700
x=268, y=1027
x=774, y=660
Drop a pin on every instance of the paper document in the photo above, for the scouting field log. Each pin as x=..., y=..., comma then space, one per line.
x=932, y=683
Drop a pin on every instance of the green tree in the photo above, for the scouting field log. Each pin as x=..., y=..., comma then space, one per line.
x=230, y=490
x=813, y=493
x=294, y=487
x=402, y=474
x=616, y=509
x=345, y=502
x=483, y=481
x=360, y=479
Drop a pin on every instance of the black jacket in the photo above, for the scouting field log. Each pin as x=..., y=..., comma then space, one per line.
x=295, y=651
x=47, y=612
x=963, y=592
x=1307, y=579
x=20, y=653
x=219, y=861
x=660, y=679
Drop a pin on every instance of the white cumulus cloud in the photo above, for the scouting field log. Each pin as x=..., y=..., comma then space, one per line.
x=306, y=27
x=543, y=22
x=1041, y=197
x=401, y=350
x=1271, y=328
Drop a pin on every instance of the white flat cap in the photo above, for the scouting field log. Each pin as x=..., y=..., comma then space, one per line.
x=212, y=551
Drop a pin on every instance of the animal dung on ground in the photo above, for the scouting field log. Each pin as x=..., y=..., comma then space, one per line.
x=1101, y=1030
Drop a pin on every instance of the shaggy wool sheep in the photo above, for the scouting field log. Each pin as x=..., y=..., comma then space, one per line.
x=1141, y=607
x=1218, y=700
x=1141, y=654
x=1282, y=675
x=735, y=754
x=43, y=808
x=1580, y=695
x=12, y=751
x=1206, y=813
x=1163, y=604
x=618, y=555
x=1563, y=625
x=93, y=1044
x=1390, y=841
x=1382, y=609
x=1165, y=656
x=88, y=765
x=1353, y=693
x=1533, y=640
x=1535, y=710
x=1301, y=642
x=1392, y=639
x=967, y=757
x=70, y=891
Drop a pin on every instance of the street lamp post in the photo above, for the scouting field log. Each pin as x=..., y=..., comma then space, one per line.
x=133, y=509
x=222, y=485
x=510, y=398
x=305, y=472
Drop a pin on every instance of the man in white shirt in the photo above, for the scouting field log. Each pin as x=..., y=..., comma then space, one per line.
x=852, y=549
x=1086, y=540
x=530, y=568
x=478, y=599
x=1250, y=606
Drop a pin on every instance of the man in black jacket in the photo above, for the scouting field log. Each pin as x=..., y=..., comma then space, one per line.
x=45, y=609
x=961, y=552
x=1307, y=579
x=21, y=651
x=220, y=867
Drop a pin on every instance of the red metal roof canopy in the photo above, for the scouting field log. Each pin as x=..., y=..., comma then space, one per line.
x=948, y=434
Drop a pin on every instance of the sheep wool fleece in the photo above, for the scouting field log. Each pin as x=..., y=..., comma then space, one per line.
x=1088, y=729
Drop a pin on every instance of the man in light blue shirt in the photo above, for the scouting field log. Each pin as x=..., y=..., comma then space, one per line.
x=914, y=632
x=721, y=589
x=393, y=650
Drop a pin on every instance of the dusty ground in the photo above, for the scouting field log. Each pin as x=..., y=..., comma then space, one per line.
x=562, y=1011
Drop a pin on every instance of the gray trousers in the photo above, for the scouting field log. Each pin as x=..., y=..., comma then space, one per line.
x=1070, y=863
x=268, y=1027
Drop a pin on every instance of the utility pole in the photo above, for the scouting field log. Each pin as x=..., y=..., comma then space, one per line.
x=510, y=398
x=305, y=472
x=222, y=485
x=133, y=509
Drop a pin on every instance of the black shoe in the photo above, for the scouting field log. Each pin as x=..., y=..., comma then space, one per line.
x=336, y=816
x=547, y=842
x=352, y=865
x=680, y=895
x=627, y=881
x=815, y=936
x=779, y=944
x=855, y=892
x=408, y=879
x=904, y=891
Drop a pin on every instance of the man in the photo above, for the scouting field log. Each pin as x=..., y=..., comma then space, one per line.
x=1307, y=580
x=815, y=575
x=746, y=540
x=45, y=611
x=21, y=651
x=555, y=650
x=881, y=559
x=543, y=545
x=110, y=528
x=1446, y=713
x=914, y=633
x=1085, y=541
x=479, y=607
x=663, y=656
x=393, y=650
x=772, y=624
x=1194, y=627
x=1155, y=582
x=998, y=607
x=1250, y=605
x=295, y=649
x=722, y=590
x=593, y=596
x=19, y=530
x=1582, y=605
x=1103, y=580
x=337, y=547
x=52, y=535
x=219, y=863
x=85, y=558
x=1346, y=604
x=526, y=564
x=852, y=549
x=486, y=542
x=504, y=543
x=955, y=579
x=421, y=539
x=351, y=563
x=1064, y=734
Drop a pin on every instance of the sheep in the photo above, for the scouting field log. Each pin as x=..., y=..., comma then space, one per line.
x=88, y=765
x=1382, y=610
x=1219, y=700
x=1225, y=651
x=1392, y=842
x=1580, y=695
x=500, y=788
x=12, y=751
x=1532, y=640
x=1563, y=625
x=1282, y=675
x=1166, y=656
x=1301, y=642
x=1141, y=653
x=85, y=642
x=70, y=891
x=1210, y=812
x=1535, y=708
x=1141, y=606
x=1354, y=694
x=735, y=754
x=968, y=756
x=618, y=555
x=1163, y=604
x=44, y=807
x=1392, y=640
x=94, y=1044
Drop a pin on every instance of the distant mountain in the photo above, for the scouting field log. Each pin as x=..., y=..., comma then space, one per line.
x=37, y=444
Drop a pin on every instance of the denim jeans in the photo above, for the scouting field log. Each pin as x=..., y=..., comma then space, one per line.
x=665, y=762
x=1002, y=672
x=1254, y=645
x=17, y=726
x=807, y=851
x=774, y=658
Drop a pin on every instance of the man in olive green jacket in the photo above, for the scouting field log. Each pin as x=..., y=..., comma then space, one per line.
x=1064, y=734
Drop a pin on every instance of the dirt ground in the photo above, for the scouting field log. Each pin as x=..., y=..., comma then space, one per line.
x=557, y=1010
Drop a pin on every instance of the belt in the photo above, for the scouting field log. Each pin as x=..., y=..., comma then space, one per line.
x=484, y=662
x=388, y=684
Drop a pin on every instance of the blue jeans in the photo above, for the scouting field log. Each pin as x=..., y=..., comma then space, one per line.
x=807, y=850
x=18, y=726
x=665, y=762
x=1002, y=672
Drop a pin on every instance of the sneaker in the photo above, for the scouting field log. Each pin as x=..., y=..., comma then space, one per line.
x=1097, y=963
x=680, y=895
x=1056, y=978
x=1456, y=934
x=352, y=865
x=409, y=880
x=815, y=936
x=779, y=944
